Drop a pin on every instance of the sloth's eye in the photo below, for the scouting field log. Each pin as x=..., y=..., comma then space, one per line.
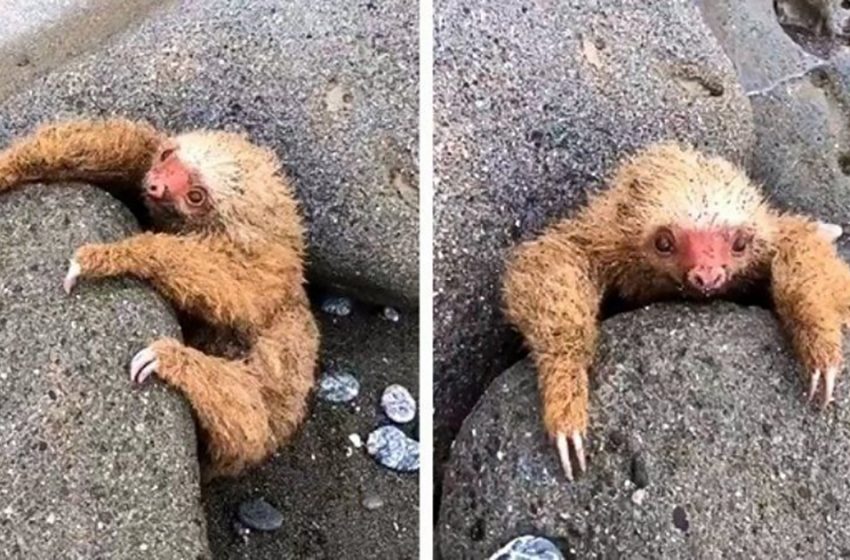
x=196, y=197
x=664, y=242
x=740, y=243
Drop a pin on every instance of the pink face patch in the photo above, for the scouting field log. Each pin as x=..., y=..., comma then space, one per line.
x=705, y=248
x=168, y=179
x=705, y=257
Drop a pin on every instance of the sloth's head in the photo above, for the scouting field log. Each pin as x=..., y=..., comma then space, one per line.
x=220, y=181
x=697, y=220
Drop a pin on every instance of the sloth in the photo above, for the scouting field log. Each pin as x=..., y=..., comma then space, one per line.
x=226, y=247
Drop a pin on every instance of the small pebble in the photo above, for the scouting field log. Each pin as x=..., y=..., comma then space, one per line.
x=355, y=440
x=391, y=314
x=372, y=502
x=398, y=404
x=260, y=515
x=528, y=548
x=680, y=518
x=241, y=531
x=393, y=449
x=639, y=496
x=640, y=472
x=338, y=386
x=337, y=305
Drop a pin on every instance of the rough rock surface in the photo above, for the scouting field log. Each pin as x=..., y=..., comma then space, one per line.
x=800, y=107
x=336, y=501
x=534, y=104
x=331, y=85
x=91, y=467
x=703, y=406
x=39, y=35
x=762, y=52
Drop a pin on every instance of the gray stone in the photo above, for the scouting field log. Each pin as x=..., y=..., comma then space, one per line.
x=338, y=386
x=528, y=548
x=337, y=305
x=260, y=515
x=92, y=468
x=800, y=106
x=762, y=52
x=372, y=502
x=391, y=314
x=393, y=449
x=817, y=25
x=711, y=396
x=398, y=404
x=534, y=105
x=331, y=85
x=321, y=482
x=39, y=35
x=801, y=153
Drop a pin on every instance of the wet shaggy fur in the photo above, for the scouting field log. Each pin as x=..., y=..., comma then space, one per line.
x=237, y=266
x=554, y=285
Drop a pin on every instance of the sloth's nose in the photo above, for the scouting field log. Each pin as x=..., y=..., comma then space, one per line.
x=157, y=190
x=707, y=278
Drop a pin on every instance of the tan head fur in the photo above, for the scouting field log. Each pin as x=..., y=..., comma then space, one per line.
x=695, y=220
x=243, y=201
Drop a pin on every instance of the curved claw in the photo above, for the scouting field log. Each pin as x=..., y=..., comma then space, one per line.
x=562, y=443
x=144, y=363
x=830, y=232
x=814, y=383
x=564, y=454
x=829, y=385
x=829, y=376
x=74, y=271
x=578, y=447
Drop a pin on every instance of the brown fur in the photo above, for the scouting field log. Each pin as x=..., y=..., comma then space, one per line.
x=238, y=267
x=554, y=284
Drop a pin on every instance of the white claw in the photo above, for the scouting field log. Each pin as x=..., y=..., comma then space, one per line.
x=814, y=384
x=564, y=454
x=829, y=384
x=144, y=363
x=578, y=446
x=831, y=232
x=74, y=271
x=147, y=371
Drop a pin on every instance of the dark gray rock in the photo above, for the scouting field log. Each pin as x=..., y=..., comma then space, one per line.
x=800, y=106
x=39, y=35
x=92, y=468
x=260, y=515
x=762, y=52
x=372, y=502
x=391, y=314
x=711, y=397
x=331, y=85
x=803, y=144
x=819, y=26
x=337, y=502
x=534, y=105
x=337, y=305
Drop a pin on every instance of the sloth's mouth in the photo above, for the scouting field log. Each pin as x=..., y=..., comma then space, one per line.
x=162, y=201
x=689, y=291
